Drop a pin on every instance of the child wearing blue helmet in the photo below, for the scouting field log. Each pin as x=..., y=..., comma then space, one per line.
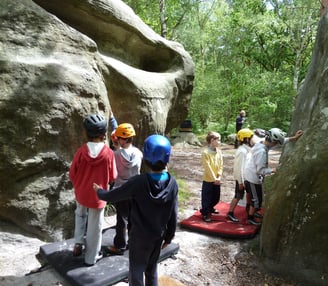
x=153, y=213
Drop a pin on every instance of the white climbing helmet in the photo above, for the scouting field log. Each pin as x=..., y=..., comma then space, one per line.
x=277, y=135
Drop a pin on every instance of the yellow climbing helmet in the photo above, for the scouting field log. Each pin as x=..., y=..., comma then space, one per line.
x=125, y=130
x=244, y=133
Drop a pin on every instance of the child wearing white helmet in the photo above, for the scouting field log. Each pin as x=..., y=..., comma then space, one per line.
x=257, y=168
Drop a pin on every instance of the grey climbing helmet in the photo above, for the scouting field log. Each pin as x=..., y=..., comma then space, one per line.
x=95, y=125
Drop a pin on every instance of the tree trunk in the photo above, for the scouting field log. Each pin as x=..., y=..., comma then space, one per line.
x=162, y=18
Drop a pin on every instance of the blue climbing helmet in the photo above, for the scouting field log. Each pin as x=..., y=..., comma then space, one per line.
x=157, y=148
x=95, y=125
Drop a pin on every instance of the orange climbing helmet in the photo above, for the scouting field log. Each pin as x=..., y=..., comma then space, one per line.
x=125, y=130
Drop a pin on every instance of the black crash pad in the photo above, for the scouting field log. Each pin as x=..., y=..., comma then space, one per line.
x=107, y=271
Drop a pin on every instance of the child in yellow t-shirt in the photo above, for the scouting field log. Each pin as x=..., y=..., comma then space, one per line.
x=213, y=166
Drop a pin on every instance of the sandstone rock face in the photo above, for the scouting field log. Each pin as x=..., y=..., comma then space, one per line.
x=149, y=79
x=294, y=234
x=55, y=69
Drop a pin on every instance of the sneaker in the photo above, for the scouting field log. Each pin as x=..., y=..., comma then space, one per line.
x=88, y=264
x=253, y=222
x=232, y=217
x=258, y=215
x=98, y=257
x=112, y=250
x=206, y=218
x=77, y=250
x=215, y=211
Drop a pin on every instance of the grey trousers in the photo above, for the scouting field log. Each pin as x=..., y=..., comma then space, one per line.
x=88, y=230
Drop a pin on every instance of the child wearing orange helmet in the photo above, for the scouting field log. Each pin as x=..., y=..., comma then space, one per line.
x=128, y=162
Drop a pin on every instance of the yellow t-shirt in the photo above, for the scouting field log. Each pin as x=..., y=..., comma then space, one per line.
x=212, y=162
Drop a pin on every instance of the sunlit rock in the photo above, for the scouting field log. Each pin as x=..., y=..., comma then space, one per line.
x=57, y=66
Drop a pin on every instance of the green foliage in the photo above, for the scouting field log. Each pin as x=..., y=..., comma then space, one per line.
x=109, y=209
x=184, y=194
x=249, y=54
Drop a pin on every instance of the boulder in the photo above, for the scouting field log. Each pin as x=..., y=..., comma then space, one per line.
x=185, y=139
x=56, y=68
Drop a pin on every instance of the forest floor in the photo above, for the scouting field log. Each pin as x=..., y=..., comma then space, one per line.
x=202, y=260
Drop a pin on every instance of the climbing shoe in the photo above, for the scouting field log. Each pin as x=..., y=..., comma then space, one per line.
x=258, y=215
x=232, y=217
x=206, y=218
x=112, y=250
x=253, y=222
x=77, y=250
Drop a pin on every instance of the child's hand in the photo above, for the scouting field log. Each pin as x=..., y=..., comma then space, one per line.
x=217, y=182
x=299, y=133
x=96, y=187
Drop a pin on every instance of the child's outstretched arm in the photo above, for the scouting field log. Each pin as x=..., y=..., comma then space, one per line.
x=124, y=192
x=96, y=187
x=101, y=193
x=297, y=135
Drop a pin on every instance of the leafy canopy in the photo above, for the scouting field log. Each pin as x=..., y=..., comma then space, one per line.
x=249, y=54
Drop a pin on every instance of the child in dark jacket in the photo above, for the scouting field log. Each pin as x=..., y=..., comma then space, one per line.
x=153, y=214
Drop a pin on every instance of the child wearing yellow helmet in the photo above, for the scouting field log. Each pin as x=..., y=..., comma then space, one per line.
x=244, y=137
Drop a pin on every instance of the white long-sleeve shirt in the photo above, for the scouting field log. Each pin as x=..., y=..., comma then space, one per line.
x=241, y=156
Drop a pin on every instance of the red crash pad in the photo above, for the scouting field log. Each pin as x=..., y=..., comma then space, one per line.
x=221, y=225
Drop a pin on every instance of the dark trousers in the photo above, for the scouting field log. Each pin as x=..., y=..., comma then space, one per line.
x=122, y=215
x=143, y=259
x=210, y=197
x=256, y=194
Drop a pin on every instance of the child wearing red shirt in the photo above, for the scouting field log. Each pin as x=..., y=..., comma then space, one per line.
x=93, y=161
